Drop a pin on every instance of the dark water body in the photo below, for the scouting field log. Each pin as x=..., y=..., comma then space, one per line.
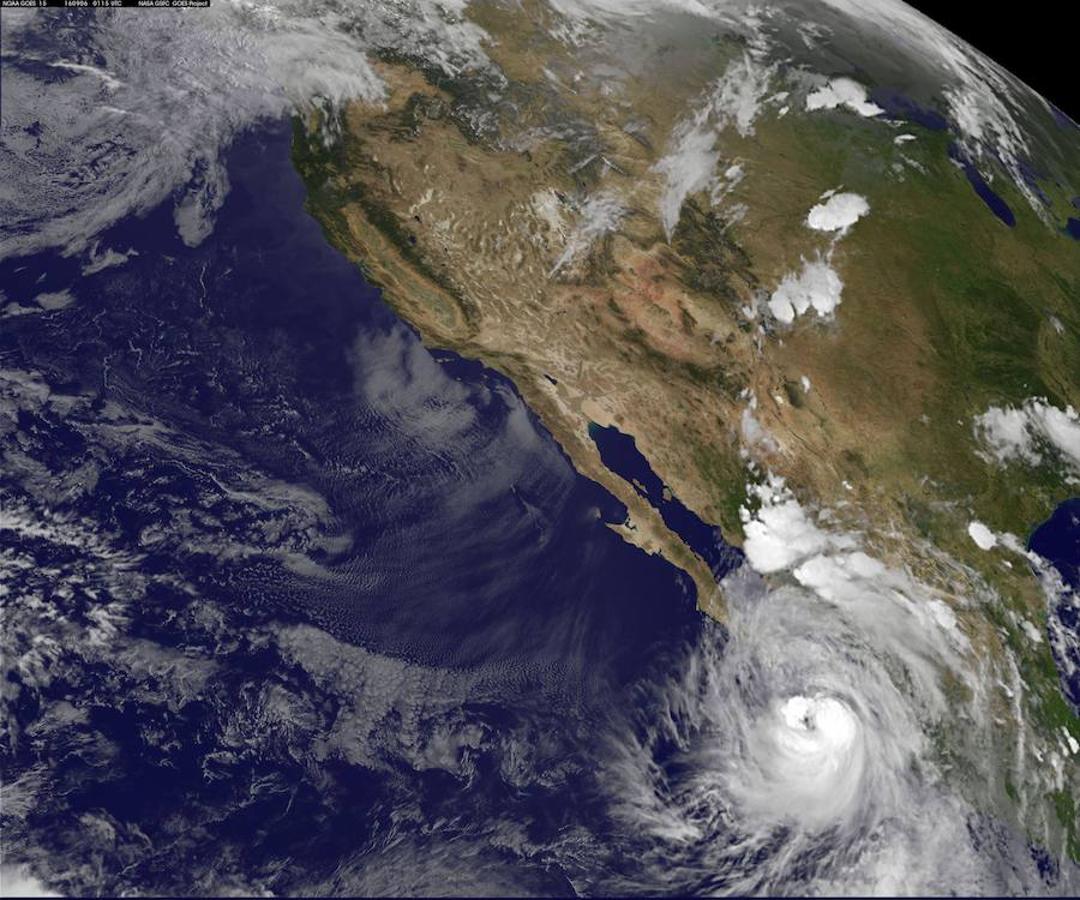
x=458, y=500
x=270, y=439
x=900, y=106
x=245, y=441
x=1063, y=119
x=620, y=454
x=1072, y=228
x=1057, y=540
x=1033, y=178
x=457, y=508
x=997, y=206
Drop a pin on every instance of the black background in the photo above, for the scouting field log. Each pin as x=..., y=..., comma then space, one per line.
x=1039, y=41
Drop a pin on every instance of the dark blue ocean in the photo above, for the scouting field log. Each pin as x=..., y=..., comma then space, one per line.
x=276, y=449
x=451, y=506
x=329, y=611
x=1057, y=540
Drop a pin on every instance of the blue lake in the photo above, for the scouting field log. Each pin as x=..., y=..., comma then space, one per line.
x=899, y=106
x=986, y=193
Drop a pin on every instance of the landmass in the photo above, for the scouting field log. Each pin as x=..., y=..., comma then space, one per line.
x=829, y=313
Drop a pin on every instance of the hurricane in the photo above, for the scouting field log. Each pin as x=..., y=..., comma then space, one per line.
x=572, y=448
x=803, y=740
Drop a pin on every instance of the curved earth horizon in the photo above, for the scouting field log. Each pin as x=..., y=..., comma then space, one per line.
x=556, y=447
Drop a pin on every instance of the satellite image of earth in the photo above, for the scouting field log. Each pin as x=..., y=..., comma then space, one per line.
x=535, y=447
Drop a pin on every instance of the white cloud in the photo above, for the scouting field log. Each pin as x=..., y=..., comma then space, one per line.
x=107, y=79
x=688, y=168
x=983, y=537
x=739, y=93
x=834, y=577
x=843, y=92
x=986, y=103
x=18, y=881
x=838, y=213
x=815, y=287
x=104, y=259
x=55, y=300
x=1074, y=745
x=734, y=100
x=1033, y=633
x=779, y=533
x=599, y=215
x=754, y=433
x=1028, y=432
x=781, y=536
x=167, y=95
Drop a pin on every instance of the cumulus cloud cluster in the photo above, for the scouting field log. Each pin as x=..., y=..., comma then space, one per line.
x=781, y=536
x=984, y=538
x=779, y=533
x=816, y=286
x=843, y=92
x=1028, y=433
x=838, y=213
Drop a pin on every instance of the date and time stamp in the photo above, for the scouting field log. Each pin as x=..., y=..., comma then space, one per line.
x=104, y=4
